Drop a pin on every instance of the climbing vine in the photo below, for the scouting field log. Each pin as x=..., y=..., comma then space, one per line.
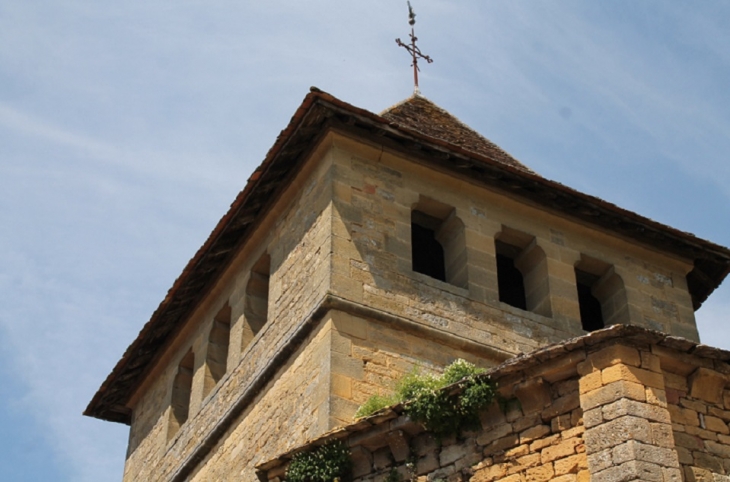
x=330, y=462
x=426, y=402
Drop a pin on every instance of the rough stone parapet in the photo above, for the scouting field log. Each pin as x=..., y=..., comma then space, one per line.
x=615, y=406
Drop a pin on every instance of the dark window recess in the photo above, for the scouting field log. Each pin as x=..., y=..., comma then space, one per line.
x=591, y=314
x=510, y=283
x=427, y=252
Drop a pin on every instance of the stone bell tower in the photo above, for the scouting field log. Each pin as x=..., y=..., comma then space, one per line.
x=364, y=245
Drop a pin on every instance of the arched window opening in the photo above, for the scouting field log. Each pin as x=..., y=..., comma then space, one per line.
x=438, y=243
x=591, y=315
x=216, y=358
x=256, y=305
x=510, y=282
x=522, y=276
x=601, y=294
x=181, y=389
x=428, y=254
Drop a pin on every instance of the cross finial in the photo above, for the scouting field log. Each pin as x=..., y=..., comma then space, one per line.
x=413, y=49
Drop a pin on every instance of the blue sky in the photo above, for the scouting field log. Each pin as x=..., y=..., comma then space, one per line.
x=127, y=128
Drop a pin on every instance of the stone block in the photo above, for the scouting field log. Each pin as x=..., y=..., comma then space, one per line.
x=590, y=381
x=540, y=444
x=662, y=435
x=656, y=396
x=502, y=444
x=683, y=416
x=565, y=448
x=617, y=432
x=573, y=432
x=629, y=471
x=341, y=386
x=697, y=474
x=707, y=385
x=612, y=392
x=593, y=417
x=452, y=453
x=560, y=423
x=708, y=461
x=399, y=447
x=533, y=433
x=599, y=461
x=570, y=465
x=526, y=462
x=625, y=406
x=650, y=361
x=718, y=448
x=539, y=474
x=526, y=422
x=716, y=425
x=518, y=451
x=632, y=374
x=697, y=405
x=633, y=450
x=612, y=355
x=719, y=413
x=672, y=474
x=382, y=458
x=427, y=464
x=688, y=441
x=565, y=478
x=685, y=456
x=362, y=461
x=533, y=394
x=488, y=474
x=468, y=461
x=497, y=432
x=561, y=405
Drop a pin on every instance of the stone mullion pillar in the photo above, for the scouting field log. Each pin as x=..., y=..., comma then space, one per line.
x=628, y=428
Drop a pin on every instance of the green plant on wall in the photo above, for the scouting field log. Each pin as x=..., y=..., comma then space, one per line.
x=328, y=463
x=426, y=401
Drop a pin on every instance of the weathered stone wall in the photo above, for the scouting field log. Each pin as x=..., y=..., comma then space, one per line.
x=296, y=235
x=628, y=426
x=290, y=410
x=375, y=192
x=369, y=357
x=535, y=435
x=618, y=405
x=699, y=407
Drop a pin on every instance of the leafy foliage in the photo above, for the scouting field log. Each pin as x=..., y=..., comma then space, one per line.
x=375, y=403
x=428, y=404
x=329, y=463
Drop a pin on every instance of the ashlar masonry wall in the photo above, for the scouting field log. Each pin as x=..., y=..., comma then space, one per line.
x=296, y=236
x=375, y=194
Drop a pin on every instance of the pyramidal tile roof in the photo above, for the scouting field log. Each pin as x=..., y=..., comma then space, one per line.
x=420, y=114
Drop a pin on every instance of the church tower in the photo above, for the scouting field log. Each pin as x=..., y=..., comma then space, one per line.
x=368, y=244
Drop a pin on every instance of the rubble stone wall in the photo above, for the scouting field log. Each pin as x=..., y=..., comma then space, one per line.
x=650, y=407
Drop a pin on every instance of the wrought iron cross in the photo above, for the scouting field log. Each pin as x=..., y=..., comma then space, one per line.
x=413, y=49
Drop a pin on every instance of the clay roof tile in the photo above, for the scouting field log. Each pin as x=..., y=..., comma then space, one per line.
x=419, y=114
